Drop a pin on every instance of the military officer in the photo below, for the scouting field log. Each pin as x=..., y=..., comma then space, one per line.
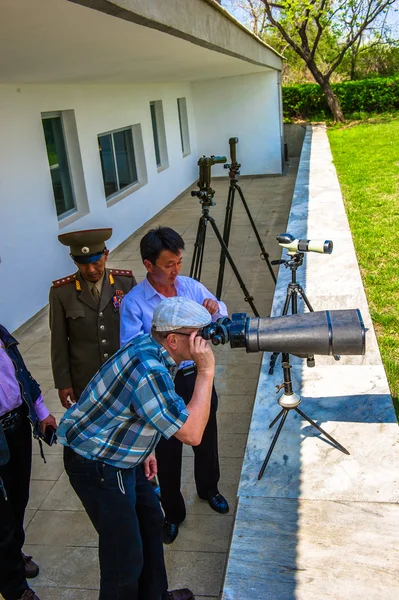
x=84, y=313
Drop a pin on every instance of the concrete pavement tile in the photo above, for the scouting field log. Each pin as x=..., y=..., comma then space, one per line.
x=308, y=550
x=51, y=470
x=38, y=492
x=232, y=444
x=62, y=496
x=243, y=371
x=64, y=567
x=205, y=533
x=49, y=527
x=225, y=355
x=236, y=385
x=29, y=514
x=234, y=422
x=233, y=403
x=58, y=593
x=202, y=572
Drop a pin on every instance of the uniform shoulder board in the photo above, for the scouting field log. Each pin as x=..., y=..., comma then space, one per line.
x=122, y=272
x=63, y=280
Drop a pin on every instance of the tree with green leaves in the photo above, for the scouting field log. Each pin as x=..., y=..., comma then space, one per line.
x=307, y=26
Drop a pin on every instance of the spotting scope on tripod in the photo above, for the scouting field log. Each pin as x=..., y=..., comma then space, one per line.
x=327, y=333
x=296, y=249
x=205, y=194
x=234, y=171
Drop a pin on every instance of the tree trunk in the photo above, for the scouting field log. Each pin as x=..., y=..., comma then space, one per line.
x=332, y=102
x=325, y=85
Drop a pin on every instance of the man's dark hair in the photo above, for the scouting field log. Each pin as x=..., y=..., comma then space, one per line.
x=158, y=239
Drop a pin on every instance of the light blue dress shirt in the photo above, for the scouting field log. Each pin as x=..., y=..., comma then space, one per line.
x=139, y=304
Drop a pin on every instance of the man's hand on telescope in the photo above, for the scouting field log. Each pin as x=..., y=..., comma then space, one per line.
x=211, y=305
x=150, y=467
x=202, y=355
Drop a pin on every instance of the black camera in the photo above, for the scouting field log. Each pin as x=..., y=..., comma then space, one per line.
x=329, y=332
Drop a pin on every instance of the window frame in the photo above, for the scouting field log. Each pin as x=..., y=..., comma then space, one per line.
x=139, y=159
x=184, y=126
x=72, y=211
x=115, y=162
x=159, y=134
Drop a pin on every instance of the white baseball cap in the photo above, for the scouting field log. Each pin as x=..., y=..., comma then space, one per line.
x=177, y=312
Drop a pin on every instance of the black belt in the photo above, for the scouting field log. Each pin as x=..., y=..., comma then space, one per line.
x=187, y=370
x=12, y=417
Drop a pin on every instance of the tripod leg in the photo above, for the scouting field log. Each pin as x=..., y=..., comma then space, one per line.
x=337, y=444
x=248, y=298
x=264, y=255
x=279, y=428
x=198, y=254
x=274, y=356
x=301, y=292
x=226, y=237
x=276, y=419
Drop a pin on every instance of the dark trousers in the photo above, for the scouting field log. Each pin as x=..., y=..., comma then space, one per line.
x=15, y=476
x=206, y=457
x=128, y=518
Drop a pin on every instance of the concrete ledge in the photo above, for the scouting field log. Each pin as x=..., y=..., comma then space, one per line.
x=202, y=22
x=320, y=523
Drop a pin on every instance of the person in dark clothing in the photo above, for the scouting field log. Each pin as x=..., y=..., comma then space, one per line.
x=22, y=411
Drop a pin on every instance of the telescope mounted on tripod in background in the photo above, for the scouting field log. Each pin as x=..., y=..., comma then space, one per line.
x=205, y=192
x=234, y=171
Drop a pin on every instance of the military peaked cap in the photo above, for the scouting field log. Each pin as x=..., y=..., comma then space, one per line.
x=86, y=245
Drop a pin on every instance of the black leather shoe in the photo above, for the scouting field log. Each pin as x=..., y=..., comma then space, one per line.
x=30, y=595
x=31, y=568
x=170, y=532
x=182, y=594
x=218, y=503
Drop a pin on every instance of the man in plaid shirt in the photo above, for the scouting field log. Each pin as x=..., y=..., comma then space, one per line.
x=110, y=434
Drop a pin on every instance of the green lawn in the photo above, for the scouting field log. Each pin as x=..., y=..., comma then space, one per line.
x=366, y=156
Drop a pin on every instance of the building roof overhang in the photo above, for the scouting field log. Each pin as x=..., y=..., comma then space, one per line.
x=125, y=41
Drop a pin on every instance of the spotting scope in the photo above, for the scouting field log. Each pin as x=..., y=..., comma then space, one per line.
x=327, y=332
x=205, y=163
x=286, y=240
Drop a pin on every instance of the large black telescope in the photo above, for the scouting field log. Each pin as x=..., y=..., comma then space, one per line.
x=327, y=332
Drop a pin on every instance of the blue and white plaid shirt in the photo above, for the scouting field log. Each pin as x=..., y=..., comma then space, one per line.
x=126, y=407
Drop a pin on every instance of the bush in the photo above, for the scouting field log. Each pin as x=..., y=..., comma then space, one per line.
x=307, y=100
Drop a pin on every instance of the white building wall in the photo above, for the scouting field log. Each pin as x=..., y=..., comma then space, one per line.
x=30, y=254
x=246, y=107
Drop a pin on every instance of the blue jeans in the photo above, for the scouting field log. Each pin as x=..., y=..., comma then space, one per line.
x=128, y=518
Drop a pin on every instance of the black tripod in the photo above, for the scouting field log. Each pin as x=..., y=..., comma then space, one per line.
x=290, y=401
x=293, y=290
x=234, y=171
x=205, y=195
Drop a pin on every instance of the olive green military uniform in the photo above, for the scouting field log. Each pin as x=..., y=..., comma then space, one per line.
x=84, y=333
x=84, y=321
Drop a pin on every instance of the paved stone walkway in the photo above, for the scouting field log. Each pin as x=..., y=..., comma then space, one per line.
x=321, y=524
x=59, y=535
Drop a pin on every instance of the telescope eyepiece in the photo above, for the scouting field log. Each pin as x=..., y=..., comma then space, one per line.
x=285, y=238
x=218, y=160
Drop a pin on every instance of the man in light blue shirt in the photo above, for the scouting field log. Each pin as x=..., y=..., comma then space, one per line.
x=161, y=251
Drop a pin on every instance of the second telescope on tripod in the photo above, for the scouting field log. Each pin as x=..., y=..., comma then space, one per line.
x=205, y=191
x=205, y=195
x=234, y=171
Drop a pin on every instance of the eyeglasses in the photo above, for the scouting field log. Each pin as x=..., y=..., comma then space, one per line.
x=177, y=333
